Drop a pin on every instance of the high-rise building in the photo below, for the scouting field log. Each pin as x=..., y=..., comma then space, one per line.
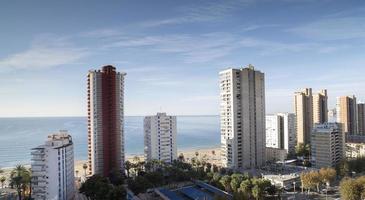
x=361, y=118
x=327, y=145
x=242, y=115
x=280, y=132
x=105, y=120
x=303, y=107
x=160, y=137
x=320, y=108
x=52, y=166
x=347, y=114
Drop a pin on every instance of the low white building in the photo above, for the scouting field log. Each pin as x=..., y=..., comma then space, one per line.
x=287, y=181
x=52, y=167
x=355, y=150
x=160, y=137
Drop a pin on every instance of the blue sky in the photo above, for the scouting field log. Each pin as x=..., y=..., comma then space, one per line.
x=172, y=51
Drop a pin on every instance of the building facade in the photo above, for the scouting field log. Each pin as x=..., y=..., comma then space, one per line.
x=242, y=118
x=105, y=120
x=320, y=107
x=355, y=150
x=327, y=145
x=280, y=132
x=303, y=107
x=52, y=166
x=347, y=114
x=361, y=118
x=160, y=137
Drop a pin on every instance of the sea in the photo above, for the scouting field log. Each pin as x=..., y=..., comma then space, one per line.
x=19, y=135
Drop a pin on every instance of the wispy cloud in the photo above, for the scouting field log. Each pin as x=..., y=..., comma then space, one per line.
x=46, y=54
x=208, y=11
x=337, y=28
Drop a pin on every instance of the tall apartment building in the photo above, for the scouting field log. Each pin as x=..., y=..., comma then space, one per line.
x=160, y=137
x=303, y=107
x=280, y=132
x=347, y=114
x=52, y=166
x=327, y=145
x=105, y=120
x=309, y=109
x=242, y=115
x=320, y=107
x=361, y=118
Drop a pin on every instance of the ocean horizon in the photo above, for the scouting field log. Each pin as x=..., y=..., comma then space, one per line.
x=18, y=135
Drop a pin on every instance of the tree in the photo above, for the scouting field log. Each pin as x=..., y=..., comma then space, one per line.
x=308, y=180
x=343, y=168
x=246, y=187
x=128, y=166
x=235, y=184
x=226, y=182
x=97, y=187
x=302, y=150
x=216, y=177
x=350, y=189
x=20, y=178
x=236, y=181
x=215, y=168
x=139, y=185
x=257, y=192
x=84, y=166
x=327, y=175
x=208, y=167
x=2, y=180
x=181, y=157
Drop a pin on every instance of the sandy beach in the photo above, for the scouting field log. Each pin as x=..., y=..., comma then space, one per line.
x=209, y=154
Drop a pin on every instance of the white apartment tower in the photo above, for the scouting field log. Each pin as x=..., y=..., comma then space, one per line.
x=52, y=166
x=327, y=145
x=280, y=131
x=242, y=118
x=160, y=137
x=105, y=120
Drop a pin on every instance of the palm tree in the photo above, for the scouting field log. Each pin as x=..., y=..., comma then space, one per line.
x=84, y=166
x=128, y=166
x=20, y=179
x=77, y=173
x=2, y=180
x=196, y=154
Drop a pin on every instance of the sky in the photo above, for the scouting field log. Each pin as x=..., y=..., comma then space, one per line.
x=172, y=52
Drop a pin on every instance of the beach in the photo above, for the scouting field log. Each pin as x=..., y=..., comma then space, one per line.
x=209, y=154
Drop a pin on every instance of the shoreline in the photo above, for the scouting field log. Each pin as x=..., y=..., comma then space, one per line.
x=189, y=153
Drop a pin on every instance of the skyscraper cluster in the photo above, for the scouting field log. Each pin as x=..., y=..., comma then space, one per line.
x=309, y=109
